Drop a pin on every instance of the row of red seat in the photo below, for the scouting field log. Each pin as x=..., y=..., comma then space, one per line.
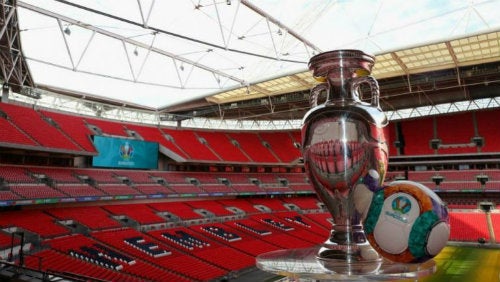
x=65, y=132
x=72, y=133
x=32, y=174
x=455, y=131
x=29, y=182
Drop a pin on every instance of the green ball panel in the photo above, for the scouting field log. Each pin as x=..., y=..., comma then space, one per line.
x=422, y=226
x=374, y=211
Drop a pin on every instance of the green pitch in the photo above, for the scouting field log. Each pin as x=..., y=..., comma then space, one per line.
x=469, y=264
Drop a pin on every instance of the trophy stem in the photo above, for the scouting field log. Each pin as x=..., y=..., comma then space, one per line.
x=347, y=241
x=347, y=244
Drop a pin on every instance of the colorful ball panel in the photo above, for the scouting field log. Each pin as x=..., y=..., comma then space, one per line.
x=407, y=222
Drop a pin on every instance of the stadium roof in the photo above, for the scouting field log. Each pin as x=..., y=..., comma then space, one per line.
x=236, y=64
x=163, y=55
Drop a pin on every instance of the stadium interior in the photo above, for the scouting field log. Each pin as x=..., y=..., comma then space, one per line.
x=227, y=181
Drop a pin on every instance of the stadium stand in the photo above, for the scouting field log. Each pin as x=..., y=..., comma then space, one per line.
x=253, y=146
x=93, y=217
x=74, y=127
x=417, y=135
x=219, y=219
x=282, y=144
x=155, y=134
x=46, y=133
x=468, y=226
x=223, y=146
x=10, y=133
x=488, y=130
x=192, y=145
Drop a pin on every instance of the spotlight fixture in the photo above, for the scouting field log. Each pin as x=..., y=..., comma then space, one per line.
x=181, y=67
x=67, y=31
x=228, y=2
x=136, y=52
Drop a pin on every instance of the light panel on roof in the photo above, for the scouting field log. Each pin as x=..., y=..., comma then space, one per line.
x=175, y=53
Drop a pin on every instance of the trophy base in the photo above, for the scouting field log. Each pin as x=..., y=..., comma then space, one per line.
x=304, y=263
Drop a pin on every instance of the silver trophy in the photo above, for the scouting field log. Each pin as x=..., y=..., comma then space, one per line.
x=345, y=156
x=344, y=143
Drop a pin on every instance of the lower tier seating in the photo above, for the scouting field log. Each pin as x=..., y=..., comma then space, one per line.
x=204, y=251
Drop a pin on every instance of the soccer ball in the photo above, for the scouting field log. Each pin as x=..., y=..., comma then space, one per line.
x=404, y=221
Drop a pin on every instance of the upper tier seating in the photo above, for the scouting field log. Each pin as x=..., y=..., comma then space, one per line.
x=108, y=127
x=221, y=144
x=417, y=135
x=154, y=134
x=45, y=133
x=253, y=146
x=10, y=133
x=74, y=127
x=391, y=131
x=282, y=144
x=191, y=145
x=49, y=130
x=488, y=129
x=450, y=133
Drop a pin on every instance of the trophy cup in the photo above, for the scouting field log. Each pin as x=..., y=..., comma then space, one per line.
x=342, y=141
x=344, y=148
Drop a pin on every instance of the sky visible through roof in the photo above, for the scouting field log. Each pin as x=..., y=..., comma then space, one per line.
x=161, y=53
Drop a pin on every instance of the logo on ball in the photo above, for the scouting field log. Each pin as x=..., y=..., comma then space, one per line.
x=401, y=204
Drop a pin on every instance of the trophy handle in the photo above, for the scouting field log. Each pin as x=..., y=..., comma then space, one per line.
x=315, y=91
x=372, y=82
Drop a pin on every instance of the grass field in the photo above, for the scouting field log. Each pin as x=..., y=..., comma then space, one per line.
x=454, y=264
x=466, y=264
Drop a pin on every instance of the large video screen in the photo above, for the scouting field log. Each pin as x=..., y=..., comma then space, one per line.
x=125, y=153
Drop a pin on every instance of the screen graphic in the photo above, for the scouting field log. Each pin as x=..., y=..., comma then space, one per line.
x=125, y=153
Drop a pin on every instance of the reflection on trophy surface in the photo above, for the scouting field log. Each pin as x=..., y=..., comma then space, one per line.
x=343, y=143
